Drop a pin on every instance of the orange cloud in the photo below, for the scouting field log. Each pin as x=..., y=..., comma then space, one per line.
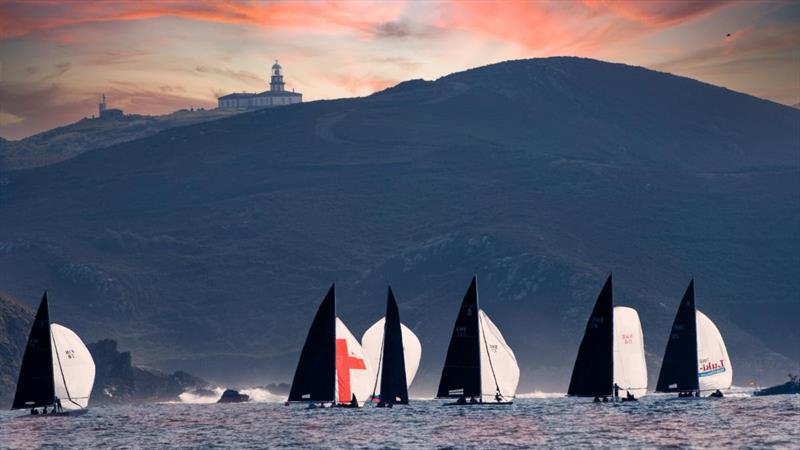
x=24, y=18
x=656, y=13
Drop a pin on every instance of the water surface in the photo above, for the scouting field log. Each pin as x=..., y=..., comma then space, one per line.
x=530, y=422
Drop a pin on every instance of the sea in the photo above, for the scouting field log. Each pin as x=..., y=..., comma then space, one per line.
x=533, y=421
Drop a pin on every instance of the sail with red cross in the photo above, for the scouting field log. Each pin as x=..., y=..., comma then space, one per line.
x=332, y=366
x=353, y=371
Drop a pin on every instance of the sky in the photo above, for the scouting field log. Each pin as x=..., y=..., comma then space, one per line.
x=154, y=57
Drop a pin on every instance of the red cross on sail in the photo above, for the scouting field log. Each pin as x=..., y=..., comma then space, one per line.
x=344, y=363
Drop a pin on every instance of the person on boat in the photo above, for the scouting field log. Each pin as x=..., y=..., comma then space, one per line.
x=34, y=412
x=498, y=397
x=461, y=400
x=381, y=404
x=597, y=399
x=472, y=400
x=696, y=394
x=629, y=397
x=716, y=394
x=616, y=391
x=58, y=405
x=354, y=402
x=605, y=399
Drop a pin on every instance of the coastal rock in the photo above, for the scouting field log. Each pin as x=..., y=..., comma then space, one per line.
x=233, y=396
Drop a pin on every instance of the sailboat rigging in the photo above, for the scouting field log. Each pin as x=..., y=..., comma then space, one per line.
x=332, y=367
x=479, y=366
x=611, y=355
x=395, y=352
x=696, y=359
x=57, y=369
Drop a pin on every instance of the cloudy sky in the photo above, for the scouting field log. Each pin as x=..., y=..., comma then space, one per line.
x=154, y=57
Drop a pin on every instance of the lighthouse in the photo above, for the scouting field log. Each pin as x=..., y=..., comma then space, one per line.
x=277, y=95
x=276, y=84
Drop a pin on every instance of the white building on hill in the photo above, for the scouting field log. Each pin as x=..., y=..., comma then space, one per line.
x=277, y=95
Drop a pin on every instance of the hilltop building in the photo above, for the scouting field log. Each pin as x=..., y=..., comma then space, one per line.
x=106, y=113
x=277, y=95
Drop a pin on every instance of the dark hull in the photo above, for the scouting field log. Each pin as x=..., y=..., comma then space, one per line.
x=782, y=389
x=479, y=404
x=72, y=413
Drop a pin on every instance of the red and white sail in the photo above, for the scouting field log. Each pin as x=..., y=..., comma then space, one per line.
x=354, y=375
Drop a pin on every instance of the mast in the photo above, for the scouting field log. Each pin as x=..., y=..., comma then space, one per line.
x=315, y=377
x=679, y=368
x=36, y=386
x=461, y=374
x=593, y=373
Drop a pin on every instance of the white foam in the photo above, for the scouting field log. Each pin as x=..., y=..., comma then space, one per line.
x=257, y=395
x=540, y=394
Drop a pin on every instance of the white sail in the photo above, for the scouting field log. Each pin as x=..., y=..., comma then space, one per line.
x=630, y=368
x=714, y=366
x=73, y=368
x=372, y=342
x=499, y=369
x=354, y=374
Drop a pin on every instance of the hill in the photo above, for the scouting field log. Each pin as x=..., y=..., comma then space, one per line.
x=208, y=248
x=15, y=324
x=71, y=140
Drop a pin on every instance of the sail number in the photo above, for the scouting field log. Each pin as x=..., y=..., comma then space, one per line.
x=70, y=354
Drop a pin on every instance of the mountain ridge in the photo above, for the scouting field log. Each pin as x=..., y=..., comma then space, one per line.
x=215, y=242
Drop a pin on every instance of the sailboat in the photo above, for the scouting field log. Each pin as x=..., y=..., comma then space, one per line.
x=333, y=367
x=479, y=366
x=611, y=355
x=57, y=369
x=394, y=350
x=696, y=359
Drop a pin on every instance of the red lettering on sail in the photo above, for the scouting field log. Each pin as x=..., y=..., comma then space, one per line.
x=345, y=362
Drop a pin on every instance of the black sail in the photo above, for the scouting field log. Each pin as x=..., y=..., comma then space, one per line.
x=462, y=367
x=679, y=368
x=315, y=377
x=394, y=388
x=593, y=374
x=35, y=386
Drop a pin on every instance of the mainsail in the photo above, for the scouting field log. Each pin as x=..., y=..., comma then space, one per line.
x=461, y=374
x=679, y=368
x=316, y=371
x=73, y=368
x=479, y=363
x=630, y=367
x=35, y=386
x=593, y=373
x=394, y=353
x=714, y=365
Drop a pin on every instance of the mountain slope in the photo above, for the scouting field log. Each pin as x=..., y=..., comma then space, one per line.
x=71, y=140
x=209, y=247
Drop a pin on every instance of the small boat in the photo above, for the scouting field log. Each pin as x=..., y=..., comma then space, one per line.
x=696, y=359
x=610, y=358
x=479, y=366
x=395, y=351
x=333, y=367
x=57, y=369
x=790, y=387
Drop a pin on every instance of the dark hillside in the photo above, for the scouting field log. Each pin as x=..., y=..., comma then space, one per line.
x=208, y=248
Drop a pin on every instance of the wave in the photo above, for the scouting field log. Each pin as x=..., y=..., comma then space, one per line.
x=211, y=395
x=540, y=394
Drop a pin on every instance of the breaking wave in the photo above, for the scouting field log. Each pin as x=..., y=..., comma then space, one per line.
x=258, y=395
x=540, y=394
